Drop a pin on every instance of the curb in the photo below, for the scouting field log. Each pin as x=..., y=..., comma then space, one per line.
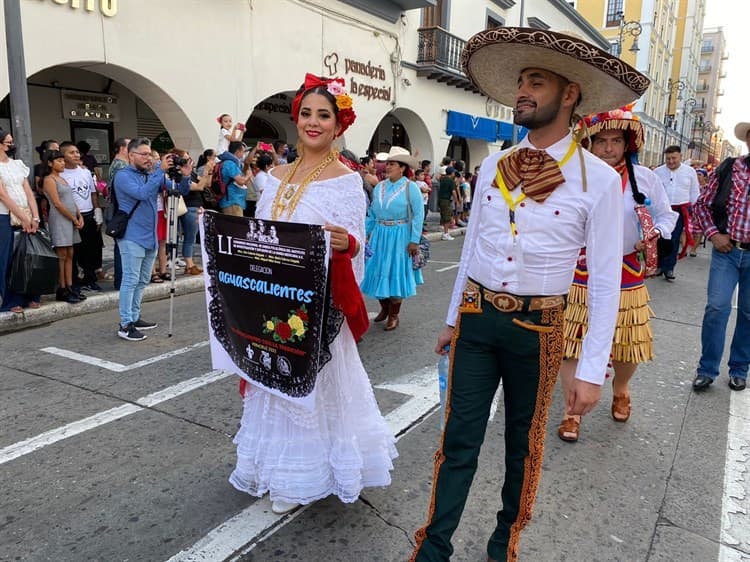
x=51, y=311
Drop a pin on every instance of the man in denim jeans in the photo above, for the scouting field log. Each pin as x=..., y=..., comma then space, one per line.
x=724, y=216
x=137, y=189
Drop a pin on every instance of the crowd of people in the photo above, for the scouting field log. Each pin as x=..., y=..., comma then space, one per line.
x=564, y=228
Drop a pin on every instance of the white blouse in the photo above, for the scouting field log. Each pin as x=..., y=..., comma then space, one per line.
x=12, y=174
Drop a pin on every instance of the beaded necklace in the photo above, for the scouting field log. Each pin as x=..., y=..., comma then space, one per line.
x=288, y=195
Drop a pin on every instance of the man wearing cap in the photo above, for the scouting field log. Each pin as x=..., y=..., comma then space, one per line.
x=536, y=205
x=723, y=213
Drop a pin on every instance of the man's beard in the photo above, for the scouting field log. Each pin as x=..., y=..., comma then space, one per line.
x=541, y=116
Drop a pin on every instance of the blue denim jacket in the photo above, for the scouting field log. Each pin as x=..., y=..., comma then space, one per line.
x=131, y=186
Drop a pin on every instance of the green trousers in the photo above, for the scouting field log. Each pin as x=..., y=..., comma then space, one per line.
x=524, y=350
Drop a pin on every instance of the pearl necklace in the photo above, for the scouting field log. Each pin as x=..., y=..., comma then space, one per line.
x=288, y=195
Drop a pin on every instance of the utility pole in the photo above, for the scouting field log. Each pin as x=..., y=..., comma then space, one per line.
x=20, y=115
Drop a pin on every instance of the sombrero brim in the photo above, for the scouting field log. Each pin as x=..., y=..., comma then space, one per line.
x=493, y=59
x=410, y=161
x=635, y=128
x=741, y=130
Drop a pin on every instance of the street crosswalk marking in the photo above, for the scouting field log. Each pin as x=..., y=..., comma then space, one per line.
x=735, y=505
x=119, y=367
x=32, y=444
x=258, y=522
x=454, y=266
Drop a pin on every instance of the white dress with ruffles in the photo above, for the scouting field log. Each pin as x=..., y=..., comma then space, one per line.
x=344, y=444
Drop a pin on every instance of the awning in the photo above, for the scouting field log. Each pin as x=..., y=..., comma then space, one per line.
x=470, y=127
x=505, y=131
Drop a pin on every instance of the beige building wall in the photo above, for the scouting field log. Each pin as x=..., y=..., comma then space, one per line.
x=181, y=63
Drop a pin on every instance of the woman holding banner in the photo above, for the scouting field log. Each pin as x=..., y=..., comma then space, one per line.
x=342, y=445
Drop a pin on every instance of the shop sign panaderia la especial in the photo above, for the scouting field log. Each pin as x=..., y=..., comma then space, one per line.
x=335, y=64
x=106, y=7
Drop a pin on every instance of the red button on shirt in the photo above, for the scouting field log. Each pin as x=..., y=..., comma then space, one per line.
x=510, y=258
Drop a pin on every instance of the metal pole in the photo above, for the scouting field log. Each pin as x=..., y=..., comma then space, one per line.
x=20, y=114
x=666, y=122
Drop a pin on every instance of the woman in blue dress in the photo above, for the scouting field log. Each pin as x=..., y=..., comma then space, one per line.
x=394, y=227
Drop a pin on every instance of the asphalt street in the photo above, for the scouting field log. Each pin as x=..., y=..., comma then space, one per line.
x=119, y=451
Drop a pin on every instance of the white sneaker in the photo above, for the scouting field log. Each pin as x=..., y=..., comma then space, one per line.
x=446, y=236
x=460, y=223
x=280, y=507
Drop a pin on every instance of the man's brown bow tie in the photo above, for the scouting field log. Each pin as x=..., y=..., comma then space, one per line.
x=536, y=171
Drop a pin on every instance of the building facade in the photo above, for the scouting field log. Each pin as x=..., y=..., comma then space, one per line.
x=100, y=69
x=706, y=135
x=643, y=34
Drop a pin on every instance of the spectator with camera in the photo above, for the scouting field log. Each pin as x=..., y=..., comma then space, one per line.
x=87, y=254
x=234, y=201
x=281, y=150
x=138, y=189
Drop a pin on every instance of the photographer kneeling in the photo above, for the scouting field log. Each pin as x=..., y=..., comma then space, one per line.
x=137, y=189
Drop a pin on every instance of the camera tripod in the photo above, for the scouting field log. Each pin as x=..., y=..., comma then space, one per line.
x=173, y=198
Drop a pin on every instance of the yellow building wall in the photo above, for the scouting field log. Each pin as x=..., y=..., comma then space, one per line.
x=595, y=12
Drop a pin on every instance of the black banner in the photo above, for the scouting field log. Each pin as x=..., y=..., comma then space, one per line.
x=266, y=295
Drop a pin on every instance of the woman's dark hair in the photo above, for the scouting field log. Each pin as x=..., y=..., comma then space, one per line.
x=47, y=158
x=203, y=158
x=323, y=92
x=83, y=147
x=44, y=146
x=263, y=161
x=349, y=155
x=3, y=135
x=638, y=197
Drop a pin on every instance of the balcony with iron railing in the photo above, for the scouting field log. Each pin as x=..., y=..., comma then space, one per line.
x=701, y=88
x=704, y=69
x=439, y=58
x=707, y=48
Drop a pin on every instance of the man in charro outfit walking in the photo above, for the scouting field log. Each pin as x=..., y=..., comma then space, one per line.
x=535, y=206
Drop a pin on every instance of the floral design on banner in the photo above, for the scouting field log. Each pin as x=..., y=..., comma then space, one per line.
x=291, y=330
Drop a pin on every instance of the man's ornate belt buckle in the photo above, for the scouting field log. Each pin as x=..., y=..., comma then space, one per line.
x=471, y=302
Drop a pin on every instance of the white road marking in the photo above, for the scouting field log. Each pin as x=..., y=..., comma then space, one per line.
x=258, y=522
x=454, y=266
x=119, y=367
x=495, y=401
x=32, y=444
x=735, y=505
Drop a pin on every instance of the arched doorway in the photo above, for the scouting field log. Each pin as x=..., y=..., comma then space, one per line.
x=271, y=120
x=100, y=102
x=402, y=127
x=458, y=149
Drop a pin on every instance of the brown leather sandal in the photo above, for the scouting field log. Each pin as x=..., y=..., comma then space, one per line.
x=621, y=407
x=569, y=429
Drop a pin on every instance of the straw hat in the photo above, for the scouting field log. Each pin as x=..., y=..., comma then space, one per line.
x=493, y=59
x=399, y=154
x=741, y=130
x=622, y=119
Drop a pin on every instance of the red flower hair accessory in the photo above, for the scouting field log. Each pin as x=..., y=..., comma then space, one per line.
x=345, y=115
x=616, y=119
x=218, y=119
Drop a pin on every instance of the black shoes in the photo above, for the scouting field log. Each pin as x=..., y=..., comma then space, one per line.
x=130, y=333
x=64, y=294
x=702, y=382
x=669, y=275
x=142, y=325
x=737, y=383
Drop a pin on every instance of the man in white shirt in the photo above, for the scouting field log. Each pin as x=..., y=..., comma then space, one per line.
x=535, y=206
x=680, y=181
x=87, y=254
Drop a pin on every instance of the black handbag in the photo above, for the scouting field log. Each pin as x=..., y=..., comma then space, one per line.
x=117, y=223
x=35, y=264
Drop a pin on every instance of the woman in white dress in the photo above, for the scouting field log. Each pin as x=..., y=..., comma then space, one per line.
x=344, y=444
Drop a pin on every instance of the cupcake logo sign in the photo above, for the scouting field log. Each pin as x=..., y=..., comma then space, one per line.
x=290, y=331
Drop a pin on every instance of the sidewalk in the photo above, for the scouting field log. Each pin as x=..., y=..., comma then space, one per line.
x=108, y=299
